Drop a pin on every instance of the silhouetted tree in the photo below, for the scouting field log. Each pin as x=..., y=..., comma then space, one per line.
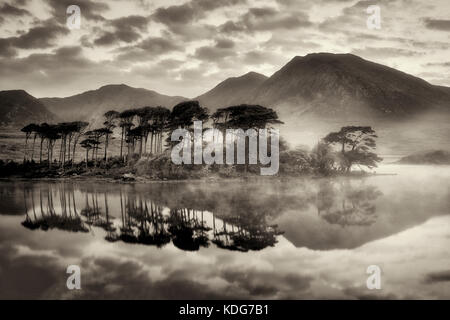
x=126, y=123
x=357, y=144
x=183, y=116
x=80, y=128
x=110, y=124
x=28, y=130
x=245, y=117
x=88, y=145
x=322, y=158
x=52, y=134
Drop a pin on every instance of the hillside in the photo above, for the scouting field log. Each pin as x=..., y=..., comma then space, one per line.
x=18, y=108
x=232, y=91
x=347, y=86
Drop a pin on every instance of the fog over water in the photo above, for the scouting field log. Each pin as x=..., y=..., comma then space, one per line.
x=262, y=238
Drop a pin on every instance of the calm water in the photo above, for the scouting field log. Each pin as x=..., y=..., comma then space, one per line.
x=296, y=239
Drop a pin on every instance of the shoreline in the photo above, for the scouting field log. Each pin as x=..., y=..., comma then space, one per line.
x=212, y=179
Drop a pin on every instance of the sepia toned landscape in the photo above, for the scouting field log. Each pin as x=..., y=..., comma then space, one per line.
x=358, y=131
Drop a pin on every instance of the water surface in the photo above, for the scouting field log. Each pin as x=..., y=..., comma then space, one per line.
x=268, y=238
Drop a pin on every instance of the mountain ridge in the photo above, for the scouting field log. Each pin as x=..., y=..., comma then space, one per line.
x=344, y=84
x=108, y=97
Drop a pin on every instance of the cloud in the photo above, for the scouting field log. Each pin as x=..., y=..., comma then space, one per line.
x=174, y=15
x=147, y=48
x=183, y=20
x=18, y=274
x=62, y=70
x=126, y=29
x=435, y=24
x=259, y=284
x=266, y=19
x=138, y=284
x=224, y=43
x=222, y=48
x=6, y=48
x=9, y=10
x=90, y=9
x=438, y=64
x=38, y=37
x=190, y=11
x=385, y=52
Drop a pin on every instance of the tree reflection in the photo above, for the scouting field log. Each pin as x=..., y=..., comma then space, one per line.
x=52, y=214
x=188, y=232
x=347, y=205
x=136, y=219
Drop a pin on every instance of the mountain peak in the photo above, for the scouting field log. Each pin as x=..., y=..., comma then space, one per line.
x=16, y=92
x=114, y=86
x=234, y=90
x=253, y=74
x=326, y=56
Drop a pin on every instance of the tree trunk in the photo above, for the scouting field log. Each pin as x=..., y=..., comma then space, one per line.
x=106, y=147
x=26, y=146
x=60, y=150
x=49, y=156
x=151, y=144
x=68, y=149
x=32, y=151
x=40, y=152
x=145, y=143
x=121, y=144
x=73, y=151
x=63, y=152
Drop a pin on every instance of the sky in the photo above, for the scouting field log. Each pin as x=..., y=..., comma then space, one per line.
x=187, y=47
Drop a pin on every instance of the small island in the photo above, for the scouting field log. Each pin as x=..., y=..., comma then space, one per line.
x=136, y=145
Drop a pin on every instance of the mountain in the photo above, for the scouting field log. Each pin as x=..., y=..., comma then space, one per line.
x=321, y=92
x=18, y=108
x=232, y=91
x=345, y=85
x=333, y=86
x=93, y=104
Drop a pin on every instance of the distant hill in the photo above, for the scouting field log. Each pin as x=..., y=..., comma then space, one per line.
x=232, y=91
x=93, y=104
x=18, y=108
x=427, y=157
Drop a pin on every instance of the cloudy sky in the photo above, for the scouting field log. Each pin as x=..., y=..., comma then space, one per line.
x=185, y=47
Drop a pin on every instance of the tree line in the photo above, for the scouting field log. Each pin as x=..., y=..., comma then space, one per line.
x=141, y=130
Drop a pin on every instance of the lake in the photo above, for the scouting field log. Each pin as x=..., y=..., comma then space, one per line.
x=256, y=239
